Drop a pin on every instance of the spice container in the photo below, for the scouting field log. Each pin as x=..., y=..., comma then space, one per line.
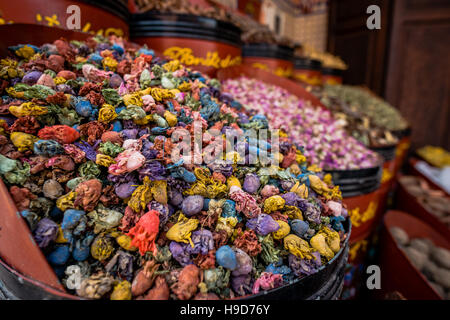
x=435, y=156
x=262, y=48
x=379, y=112
x=332, y=67
x=332, y=76
x=273, y=58
x=87, y=155
x=19, y=32
x=414, y=195
x=403, y=146
x=387, y=178
x=307, y=71
x=399, y=232
x=367, y=118
x=103, y=17
x=360, y=192
x=288, y=85
x=417, y=167
x=201, y=43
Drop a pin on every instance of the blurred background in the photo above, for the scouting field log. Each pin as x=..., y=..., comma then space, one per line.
x=406, y=62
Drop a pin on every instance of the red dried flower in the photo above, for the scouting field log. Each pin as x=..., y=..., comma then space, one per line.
x=129, y=219
x=144, y=278
x=109, y=197
x=88, y=194
x=220, y=238
x=144, y=233
x=93, y=130
x=188, y=281
x=58, y=98
x=206, y=261
x=95, y=98
x=248, y=242
x=61, y=133
x=27, y=124
x=290, y=158
x=75, y=153
x=55, y=62
x=21, y=197
x=277, y=215
x=160, y=291
x=65, y=50
x=62, y=162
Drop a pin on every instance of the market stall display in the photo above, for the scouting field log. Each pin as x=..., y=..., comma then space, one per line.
x=263, y=49
x=416, y=251
x=87, y=147
x=367, y=118
x=325, y=144
x=373, y=122
x=417, y=197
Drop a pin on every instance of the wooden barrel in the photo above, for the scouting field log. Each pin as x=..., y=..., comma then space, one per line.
x=201, y=43
x=307, y=71
x=332, y=76
x=273, y=58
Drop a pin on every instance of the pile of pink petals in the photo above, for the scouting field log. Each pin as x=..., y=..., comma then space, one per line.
x=325, y=141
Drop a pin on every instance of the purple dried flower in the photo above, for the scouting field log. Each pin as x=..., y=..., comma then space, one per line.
x=192, y=205
x=89, y=150
x=245, y=263
x=251, y=183
x=163, y=210
x=292, y=199
x=179, y=253
x=115, y=81
x=45, y=232
x=129, y=124
x=178, y=185
x=304, y=267
x=263, y=224
x=203, y=242
x=222, y=167
x=152, y=169
x=312, y=213
x=242, y=284
x=65, y=89
x=129, y=134
x=175, y=197
x=287, y=184
x=122, y=265
x=31, y=77
x=124, y=178
x=125, y=190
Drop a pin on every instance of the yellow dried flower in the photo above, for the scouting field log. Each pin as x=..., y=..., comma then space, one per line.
x=107, y=113
x=110, y=63
x=27, y=109
x=182, y=230
x=104, y=160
